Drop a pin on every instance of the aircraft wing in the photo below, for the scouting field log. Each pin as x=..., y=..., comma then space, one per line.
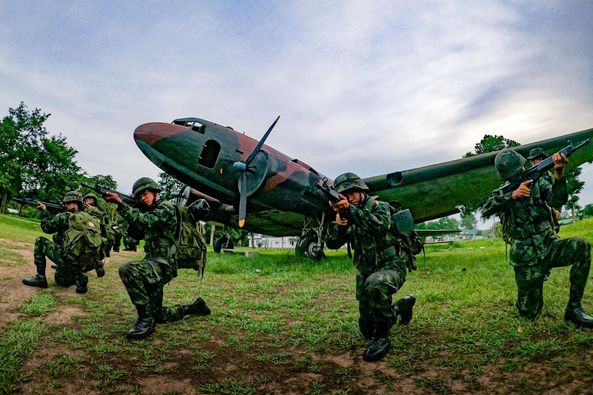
x=439, y=190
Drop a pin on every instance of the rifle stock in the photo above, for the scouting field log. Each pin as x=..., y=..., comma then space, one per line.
x=536, y=171
x=101, y=190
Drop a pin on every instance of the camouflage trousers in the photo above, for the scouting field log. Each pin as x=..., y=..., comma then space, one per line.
x=374, y=294
x=66, y=272
x=575, y=251
x=144, y=280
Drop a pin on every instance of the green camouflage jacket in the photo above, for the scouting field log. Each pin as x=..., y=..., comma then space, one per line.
x=528, y=223
x=57, y=224
x=158, y=223
x=368, y=232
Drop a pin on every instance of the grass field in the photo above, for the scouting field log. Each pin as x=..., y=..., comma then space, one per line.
x=282, y=324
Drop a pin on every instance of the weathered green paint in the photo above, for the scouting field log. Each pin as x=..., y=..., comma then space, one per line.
x=282, y=192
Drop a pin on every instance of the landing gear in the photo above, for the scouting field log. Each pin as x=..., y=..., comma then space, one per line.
x=310, y=245
x=223, y=242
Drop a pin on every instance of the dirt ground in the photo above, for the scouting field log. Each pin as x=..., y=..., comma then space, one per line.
x=177, y=375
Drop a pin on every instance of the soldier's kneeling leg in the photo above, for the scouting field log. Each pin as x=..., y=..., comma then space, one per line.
x=530, y=284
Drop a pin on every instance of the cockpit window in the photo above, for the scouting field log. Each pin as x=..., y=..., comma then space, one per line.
x=209, y=154
x=195, y=125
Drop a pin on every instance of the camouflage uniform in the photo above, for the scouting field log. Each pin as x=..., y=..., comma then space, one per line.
x=67, y=271
x=144, y=280
x=381, y=272
x=528, y=226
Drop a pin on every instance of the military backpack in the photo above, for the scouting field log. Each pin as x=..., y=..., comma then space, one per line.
x=407, y=242
x=190, y=246
x=82, y=241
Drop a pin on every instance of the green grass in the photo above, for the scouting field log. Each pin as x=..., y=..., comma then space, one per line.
x=276, y=316
x=18, y=229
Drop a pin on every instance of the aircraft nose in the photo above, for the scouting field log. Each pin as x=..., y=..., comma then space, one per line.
x=152, y=132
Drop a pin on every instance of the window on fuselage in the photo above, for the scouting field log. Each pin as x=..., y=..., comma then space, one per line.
x=209, y=154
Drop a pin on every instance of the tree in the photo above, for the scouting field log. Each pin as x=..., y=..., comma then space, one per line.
x=169, y=185
x=574, y=186
x=586, y=211
x=32, y=163
x=491, y=143
x=441, y=223
x=468, y=221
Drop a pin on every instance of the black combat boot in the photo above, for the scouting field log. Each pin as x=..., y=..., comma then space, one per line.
x=403, y=309
x=37, y=280
x=100, y=269
x=198, y=307
x=378, y=348
x=143, y=327
x=81, y=282
x=575, y=314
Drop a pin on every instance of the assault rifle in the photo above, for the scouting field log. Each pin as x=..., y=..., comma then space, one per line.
x=536, y=171
x=34, y=202
x=329, y=191
x=101, y=190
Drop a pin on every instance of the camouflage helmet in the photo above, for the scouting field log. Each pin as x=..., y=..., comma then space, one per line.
x=144, y=184
x=349, y=181
x=73, y=197
x=508, y=164
x=536, y=153
x=90, y=195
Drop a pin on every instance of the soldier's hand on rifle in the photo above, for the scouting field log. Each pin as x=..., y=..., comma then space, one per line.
x=41, y=207
x=340, y=221
x=523, y=191
x=560, y=161
x=342, y=205
x=112, y=197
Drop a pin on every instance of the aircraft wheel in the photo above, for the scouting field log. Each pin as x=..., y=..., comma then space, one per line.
x=223, y=242
x=307, y=246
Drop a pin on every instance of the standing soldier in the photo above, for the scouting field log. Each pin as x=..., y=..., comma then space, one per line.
x=364, y=221
x=68, y=270
x=526, y=217
x=144, y=280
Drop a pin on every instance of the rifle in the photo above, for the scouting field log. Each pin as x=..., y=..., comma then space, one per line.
x=101, y=190
x=536, y=171
x=329, y=192
x=34, y=202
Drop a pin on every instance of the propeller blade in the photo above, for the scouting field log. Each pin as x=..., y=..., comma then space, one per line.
x=243, y=200
x=261, y=143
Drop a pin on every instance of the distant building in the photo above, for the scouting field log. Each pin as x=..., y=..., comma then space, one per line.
x=263, y=241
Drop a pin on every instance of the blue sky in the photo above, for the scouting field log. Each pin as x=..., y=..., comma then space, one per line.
x=364, y=86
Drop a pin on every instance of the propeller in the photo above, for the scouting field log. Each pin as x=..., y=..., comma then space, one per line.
x=244, y=168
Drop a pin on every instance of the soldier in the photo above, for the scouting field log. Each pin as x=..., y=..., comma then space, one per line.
x=144, y=280
x=364, y=221
x=526, y=217
x=91, y=208
x=68, y=272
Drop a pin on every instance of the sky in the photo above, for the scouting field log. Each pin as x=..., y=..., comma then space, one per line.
x=364, y=86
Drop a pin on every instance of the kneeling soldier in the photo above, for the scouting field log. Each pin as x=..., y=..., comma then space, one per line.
x=144, y=280
x=68, y=271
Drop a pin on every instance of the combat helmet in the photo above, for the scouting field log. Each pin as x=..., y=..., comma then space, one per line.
x=73, y=197
x=90, y=195
x=144, y=184
x=536, y=153
x=348, y=181
x=509, y=164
